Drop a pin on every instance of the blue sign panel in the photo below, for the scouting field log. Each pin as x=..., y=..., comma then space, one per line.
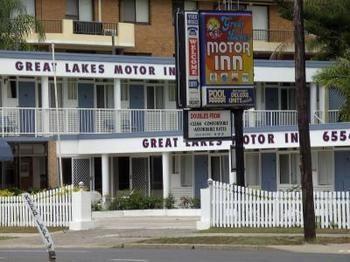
x=235, y=97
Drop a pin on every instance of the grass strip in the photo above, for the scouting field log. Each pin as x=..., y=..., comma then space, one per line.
x=276, y=230
x=256, y=241
x=28, y=229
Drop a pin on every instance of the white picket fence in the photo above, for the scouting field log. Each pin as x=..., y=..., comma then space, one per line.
x=225, y=205
x=54, y=206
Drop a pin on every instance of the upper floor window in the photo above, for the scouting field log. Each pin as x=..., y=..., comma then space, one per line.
x=29, y=5
x=134, y=11
x=183, y=5
x=79, y=10
x=72, y=9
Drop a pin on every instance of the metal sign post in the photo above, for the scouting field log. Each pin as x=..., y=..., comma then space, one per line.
x=44, y=232
x=226, y=73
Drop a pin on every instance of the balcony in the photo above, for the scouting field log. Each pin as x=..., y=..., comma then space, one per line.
x=75, y=121
x=80, y=33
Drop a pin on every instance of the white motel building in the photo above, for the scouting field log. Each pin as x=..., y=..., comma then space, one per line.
x=120, y=130
x=117, y=126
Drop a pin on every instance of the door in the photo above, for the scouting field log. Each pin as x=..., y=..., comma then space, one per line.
x=156, y=174
x=86, y=103
x=271, y=103
x=139, y=175
x=137, y=101
x=26, y=98
x=342, y=167
x=200, y=174
x=268, y=168
x=26, y=173
x=81, y=171
x=85, y=10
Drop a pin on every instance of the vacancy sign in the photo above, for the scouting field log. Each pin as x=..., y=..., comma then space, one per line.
x=214, y=124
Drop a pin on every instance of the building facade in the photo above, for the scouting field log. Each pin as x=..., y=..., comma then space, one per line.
x=117, y=121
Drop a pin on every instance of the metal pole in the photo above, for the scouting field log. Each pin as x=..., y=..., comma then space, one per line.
x=57, y=116
x=113, y=42
x=239, y=147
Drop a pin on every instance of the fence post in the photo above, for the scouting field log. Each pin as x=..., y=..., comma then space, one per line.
x=81, y=210
x=206, y=207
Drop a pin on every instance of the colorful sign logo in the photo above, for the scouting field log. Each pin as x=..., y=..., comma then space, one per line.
x=226, y=48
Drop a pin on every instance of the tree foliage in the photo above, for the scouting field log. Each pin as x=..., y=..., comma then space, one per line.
x=16, y=25
x=328, y=21
x=338, y=76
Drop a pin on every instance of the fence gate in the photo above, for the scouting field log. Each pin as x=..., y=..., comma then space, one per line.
x=81, y=171
x=139, y=176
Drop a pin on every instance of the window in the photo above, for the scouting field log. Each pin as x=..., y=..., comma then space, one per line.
x=175, y=164
x=29, y=6
x=124, y=91
x=289, y=169
x=72, y=9
x=134, y=11
x=183, y=5
x=252, y=169
x=105, y=96
x=172, y=91
x=220, y=168
x=186, y=170
x=155, y=97
x=12, y=89
x=59, y=95
x=325, y=168
x=72, y=89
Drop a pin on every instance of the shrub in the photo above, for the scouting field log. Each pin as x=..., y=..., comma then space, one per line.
x=169, y=202
x=135, y=200
x=189, y=202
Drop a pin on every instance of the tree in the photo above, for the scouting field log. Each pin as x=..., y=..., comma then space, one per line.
x=338, y=76
x=16, y=25
x=328, y=24
x=303, y=124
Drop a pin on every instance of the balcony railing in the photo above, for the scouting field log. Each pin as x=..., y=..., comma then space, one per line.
x=273, y=35
x=73, y=121
x=37, y=121
x=94, y=28
x=50, y=26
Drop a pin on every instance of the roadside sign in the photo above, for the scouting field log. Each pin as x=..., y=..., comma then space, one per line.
x=226, y=43
x=201, y=124
x=187, y=59
x=44, y=232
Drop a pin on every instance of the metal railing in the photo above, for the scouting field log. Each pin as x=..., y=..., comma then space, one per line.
x=273, y=35
x=50, y=26
x=261, y=118
x=38, y=121
x=94, y=28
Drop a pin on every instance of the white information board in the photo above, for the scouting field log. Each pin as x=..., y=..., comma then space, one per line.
x=215, y=124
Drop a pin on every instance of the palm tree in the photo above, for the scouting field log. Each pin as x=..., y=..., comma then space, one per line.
x=16, y=25
x=338, y=76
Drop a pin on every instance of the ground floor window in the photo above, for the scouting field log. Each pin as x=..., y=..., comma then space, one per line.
x=186, y=170
x=220, y=168
x=252, y=168
x=289, y=170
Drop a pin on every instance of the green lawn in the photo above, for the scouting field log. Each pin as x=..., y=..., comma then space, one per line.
x=5, y=238
x=27, y=229
x=293, y=230
x=256, y=241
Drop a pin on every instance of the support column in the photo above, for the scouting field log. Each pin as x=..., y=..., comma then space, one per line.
x=166, y=174
x=313, y=103
x=324, y=101
x=117, y=104
x=45, y=104
x=105, y=179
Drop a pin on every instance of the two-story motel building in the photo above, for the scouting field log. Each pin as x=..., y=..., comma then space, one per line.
x=117, y=117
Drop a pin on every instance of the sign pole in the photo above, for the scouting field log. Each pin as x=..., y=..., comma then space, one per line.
x=237, y=141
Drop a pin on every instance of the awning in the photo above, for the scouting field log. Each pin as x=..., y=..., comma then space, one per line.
x=5, y=151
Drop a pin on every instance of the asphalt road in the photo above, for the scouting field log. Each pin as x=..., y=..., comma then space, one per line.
x=167, y=255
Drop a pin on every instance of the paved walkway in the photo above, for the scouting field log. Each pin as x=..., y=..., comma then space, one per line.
x=115, y=232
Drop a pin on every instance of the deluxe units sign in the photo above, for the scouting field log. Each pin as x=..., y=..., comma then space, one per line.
x=208, y=124
x=227, y=76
